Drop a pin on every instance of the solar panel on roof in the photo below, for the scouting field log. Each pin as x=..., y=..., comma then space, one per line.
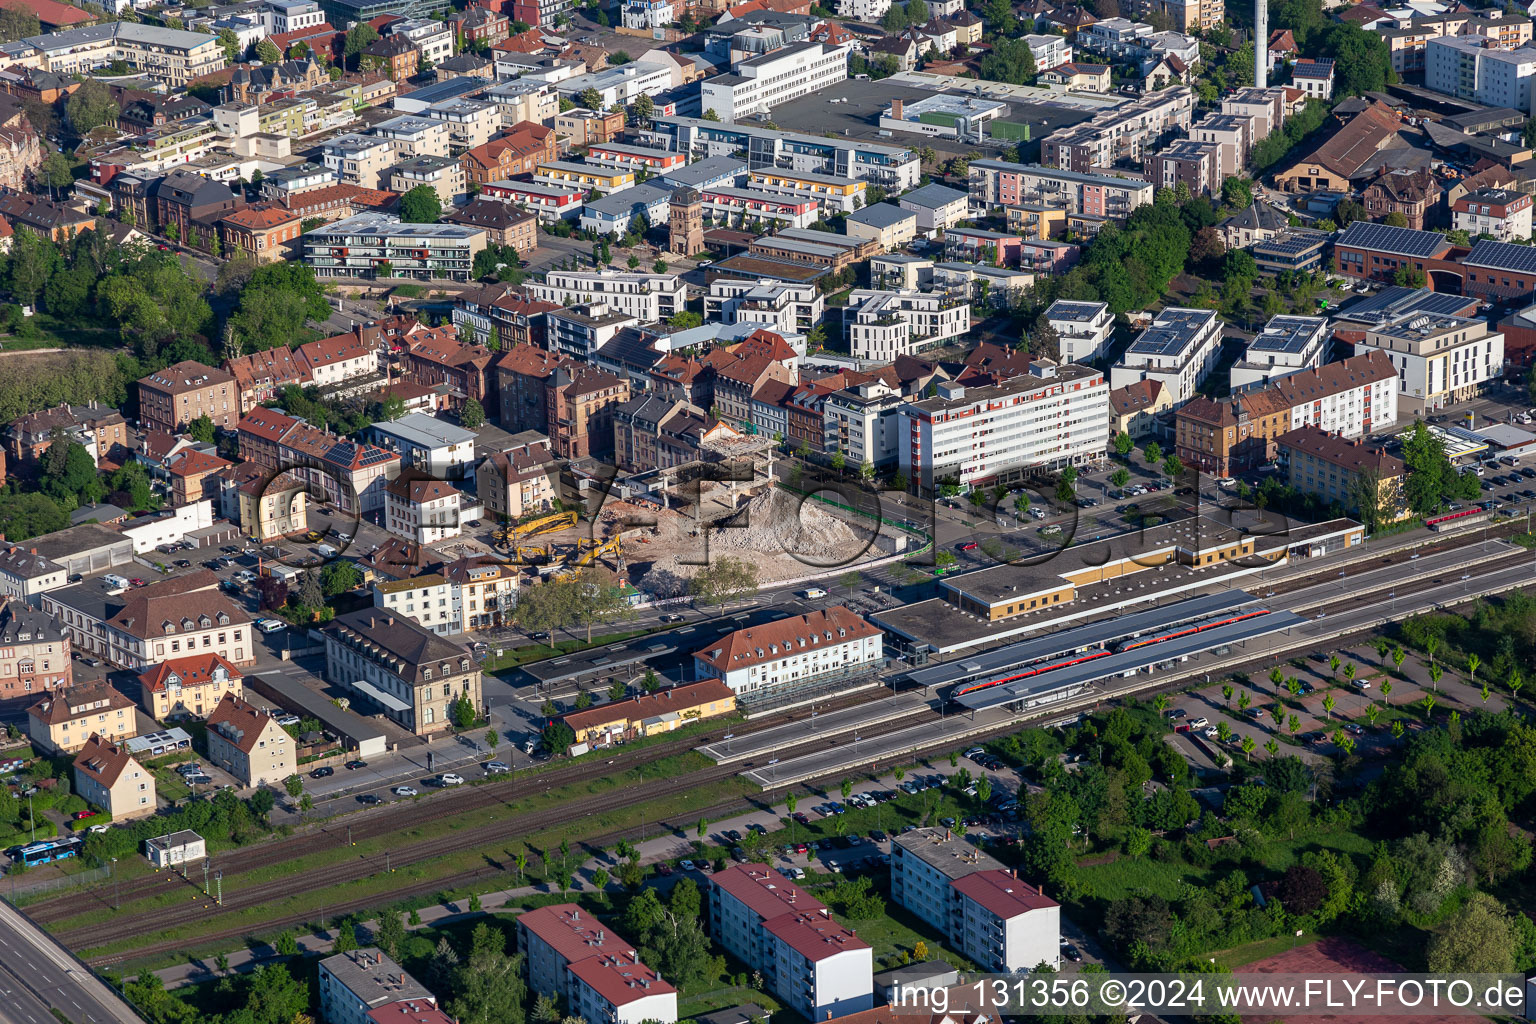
x=1399, y=241
x=1289, y=245
x=1502, y=256
x=1288, y=334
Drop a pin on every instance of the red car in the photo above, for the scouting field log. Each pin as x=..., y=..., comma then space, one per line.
x=801, y=848
x=801, y=818
x=969, y=545
x=82, y=815
x=136, y=582
x=663, y=869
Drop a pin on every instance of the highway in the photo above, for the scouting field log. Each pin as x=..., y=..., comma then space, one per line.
x=42, y=983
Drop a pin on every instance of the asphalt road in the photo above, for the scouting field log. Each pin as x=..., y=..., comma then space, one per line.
x=42, y=983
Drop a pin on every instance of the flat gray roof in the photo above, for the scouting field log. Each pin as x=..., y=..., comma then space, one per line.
x=881, y=215
x=951, y=854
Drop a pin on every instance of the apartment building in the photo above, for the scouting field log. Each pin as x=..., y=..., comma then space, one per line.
x=887, y=324
x=1186, y=15
x=764, y=82
x=1196, y=165
x=408, y=672
x=99, y=428
x=422, y=509
x=25, y=574
x=1127, y=133
x=107, y=776
x=813, y=964
x=361, y=160
x=248, y=743
x=1051, y=417
x=995, y=183
x=139, y=627
x=1179, y=351
x=797, y=653
x=442, y=174
x=838, y=194
x=862, y=423
x=410, y=136
x=344, y=473
x=169, y=55
x=895, y=168
x=1343, y=472
x=594, y=972
x=1084, y=329
x=188, y=687
x=1481, y=70
x=646, y=297
x=1501, y=213
x=998, y=921
x=1286, y=345
x=34, y=654
x=514, y=483
x=64, y=720
x=426, y=443
x=1351, y=397
x=887, y=225
x=780, y=307
x=170, y=399
x=377, y=245
x=579, y=405
x=1439, y=359
x=937, y=207
x=356, y=984
x=618, y=154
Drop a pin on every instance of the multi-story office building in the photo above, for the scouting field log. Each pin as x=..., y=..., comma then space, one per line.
x=1179, y=350
x=796, y=653
x=620, y=85
x=377, y=245
x=1480, y=70
x=815, y=965
x=1439, y=359
x=998, y=921
x=409, y=672
x=996, y=183
x=895, y=168
x=169, y=55
x=887, y=324
x=1127, y=133
x=592, y=970
x=762, y=83
x=646, y=297
x=1051, y=417
x=1084, y=329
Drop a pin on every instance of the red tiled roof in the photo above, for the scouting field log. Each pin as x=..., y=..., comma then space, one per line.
x=192, y=462
x=620, y=979
x=193, y=671
x=635, y=709
x=771, y=641
x=813, y=936
x=1001, y=893
x=261, y=216
x=50, y=12
x=103, y=760
x=335, y=349
x=572, y=933
x=409, y=1011
x=267, y=424
x=238, y=721
x=765, y=892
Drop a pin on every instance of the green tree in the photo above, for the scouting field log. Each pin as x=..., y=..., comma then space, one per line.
x=201, y=429
x=90, y=106
x=268, y=52
x=472, y=416
x=421, y=205
x=390, y=934
x=230, y=43
x=726, y=579
x=1479, y=939
x=489, y=988
x=590, y=98
x=1123, y=446
x=18, y=23
x=359, y=37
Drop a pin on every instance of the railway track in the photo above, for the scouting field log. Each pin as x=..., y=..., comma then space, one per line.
x=384, y=820
x=380, y=823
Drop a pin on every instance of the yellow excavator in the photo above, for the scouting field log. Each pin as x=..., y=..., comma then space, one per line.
x=512, y=534
x=589, y=552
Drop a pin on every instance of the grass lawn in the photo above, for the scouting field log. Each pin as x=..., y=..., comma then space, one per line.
x=1260, y=949
x=169, y=786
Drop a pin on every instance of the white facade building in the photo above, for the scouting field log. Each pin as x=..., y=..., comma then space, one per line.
x=887, y=324
x=1475, y=68
x=647, y=15
x=426, y=443
x=1052, y=417
x=812, y=963
x=414, y=136
x=1179, y=351
x=421, y=509
x=1000, y=922
x=427, y=600
x=779, y=307
x=761, y=83
x=862, y=423
x=1286, y=345
x=869, y=11
x=1350, y=397
x=596, y=974
x=432, y=39
x=622, y=85
x=282, y=16
x=1049, y=51
x=793, y=653
x=1083, y=327
x=1439, y=359
x=646, y=297
x=359, y=160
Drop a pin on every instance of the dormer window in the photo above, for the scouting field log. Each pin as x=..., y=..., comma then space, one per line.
x=223, y=618
x=169, y=628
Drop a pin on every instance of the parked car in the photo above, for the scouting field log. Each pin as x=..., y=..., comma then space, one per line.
x=367, y=799
x=322, y=773
x=82, y=815
x=496, y=768
x=405, y=791
x=353, y=766
x=450, y=779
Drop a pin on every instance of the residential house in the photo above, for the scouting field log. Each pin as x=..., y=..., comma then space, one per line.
x=412, y=675
x=64, y=720
x=107, y=776
x=248, y=743
x=188, y=687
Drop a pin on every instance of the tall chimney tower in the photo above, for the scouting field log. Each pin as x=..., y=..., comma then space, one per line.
x=1261, y=43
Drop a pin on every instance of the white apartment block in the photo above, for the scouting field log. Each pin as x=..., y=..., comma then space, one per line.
x=863, y=424
x=596, y=974
x=470, y=122
x=360, y=160
x=812, y=963
x=793, y=653
x=1001, y=923
x=420, y=509
x=466, y=595
x=413, y=136
x=1350, y=397
x=1478, y=69
x=283, y=16
x=838, y=194
x=896, y=168
x=646, y=297
x=1049, y=51
x=762, y=83
x=517, y=101
x=427, y=600
x=1439, y=359
x=622, y=85
x=887, y=324
x=171, y=55
x=870, y=11
x=1052, y=417
x=1178, y=351
x=1500, y=213
x=432, y=39
x=1083, y=327
x=424, y=442
x=647, y=15
x=1286, y=345
x=779, y=307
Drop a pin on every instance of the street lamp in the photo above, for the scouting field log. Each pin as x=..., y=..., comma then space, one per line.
x=728, y=737
x=773, y=775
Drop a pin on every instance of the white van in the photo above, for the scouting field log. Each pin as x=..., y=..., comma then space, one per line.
x=327, y=551
x=810, y=593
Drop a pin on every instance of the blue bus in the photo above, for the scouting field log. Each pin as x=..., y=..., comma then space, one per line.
x=47, y=850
